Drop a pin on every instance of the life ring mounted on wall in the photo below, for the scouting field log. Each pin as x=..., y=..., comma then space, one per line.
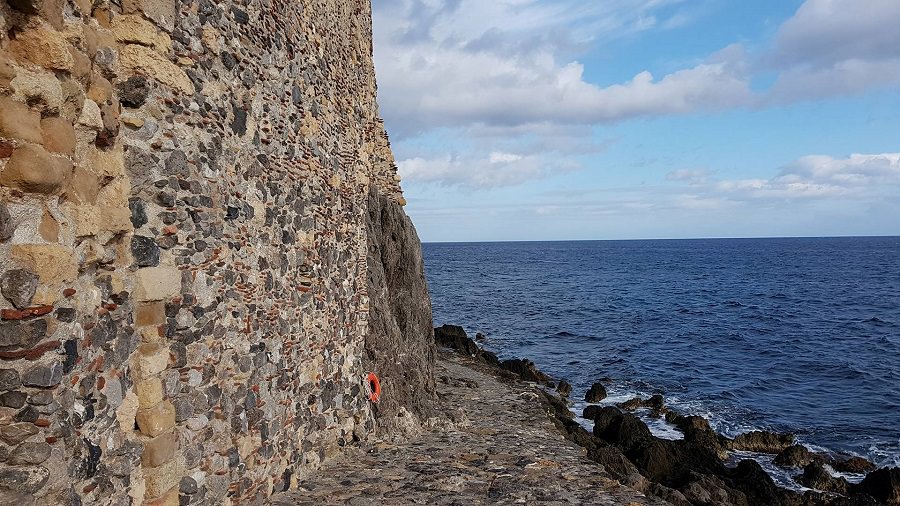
x=373, y=387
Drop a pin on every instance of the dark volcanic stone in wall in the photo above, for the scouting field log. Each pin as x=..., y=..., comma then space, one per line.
x=7, y=227
x=145, y=251
x=18, y=286
x=400, y=345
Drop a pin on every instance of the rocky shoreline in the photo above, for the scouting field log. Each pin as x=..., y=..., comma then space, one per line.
x=692, y=470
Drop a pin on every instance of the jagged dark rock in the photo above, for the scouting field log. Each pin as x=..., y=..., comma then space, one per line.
x=707, y=489
x=697, y=430
x=613, y=460
x=815, y=476
x=852, y=465
x=591, y=412
x=655, y=403
x=883, y=485
x=399, y=343
x=525, y=369
x=762, y=442
x=796, y=456
x=455, y=337
x=750, y=479
x=596, y=393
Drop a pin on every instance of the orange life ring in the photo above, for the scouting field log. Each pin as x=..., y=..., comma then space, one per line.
x=373, y=387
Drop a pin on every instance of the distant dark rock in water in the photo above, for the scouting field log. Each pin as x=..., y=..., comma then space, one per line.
x=480, y=337
x=596, y=393
x=883, y=485
x=759, y=441
x=564, y=388
x=631, y=404
x=797, y=456
x=655, y=403
x=855, y=465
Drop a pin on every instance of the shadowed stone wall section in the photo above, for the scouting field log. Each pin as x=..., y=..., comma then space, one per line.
x=184, y=201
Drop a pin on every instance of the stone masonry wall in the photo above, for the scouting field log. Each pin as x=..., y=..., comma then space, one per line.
x=183, y=203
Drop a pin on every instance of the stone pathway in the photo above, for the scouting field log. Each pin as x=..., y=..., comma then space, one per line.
x=509, y=452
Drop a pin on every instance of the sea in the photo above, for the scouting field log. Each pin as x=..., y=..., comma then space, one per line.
x=796, y=335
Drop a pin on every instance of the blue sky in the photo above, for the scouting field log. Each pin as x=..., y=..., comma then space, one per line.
x=627, y=119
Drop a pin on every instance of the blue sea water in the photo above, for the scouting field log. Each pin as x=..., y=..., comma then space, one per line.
x=799, y=335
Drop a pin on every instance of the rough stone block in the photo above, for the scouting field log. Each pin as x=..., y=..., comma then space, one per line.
x=18, y=121
x=7, y=71
x=9, y=379
x=58, y=135
x=156, y=420
x=42, y=90
x=51, y=10
x=92, y=220
x=157, y=283
x=161, y=12
x=159, y=450
x=134, y=29
x=28, y=454
x=140, y=60
x=133, y=92
x=84, y=185
x=15, y=433
x=82, y=68
x=45, y=47
x=22, y=333
x=90, y=115
x=43, y=375
x=153, y=313
x=149, y=392
x=24, y=480
x=32, y=169
x=150, y=360
x=170, y=498
x=100, y=90
x=55, y=263
x=49, y=228
x=14, y=399
x=107, y=163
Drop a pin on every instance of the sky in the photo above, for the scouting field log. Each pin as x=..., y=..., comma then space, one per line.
x=638, y=119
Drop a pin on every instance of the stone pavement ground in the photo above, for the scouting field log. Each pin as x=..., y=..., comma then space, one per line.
x=504, y=450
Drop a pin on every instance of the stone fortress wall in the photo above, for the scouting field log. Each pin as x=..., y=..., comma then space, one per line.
x=185, y=193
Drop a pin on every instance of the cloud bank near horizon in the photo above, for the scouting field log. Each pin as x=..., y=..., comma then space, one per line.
x=490, y=95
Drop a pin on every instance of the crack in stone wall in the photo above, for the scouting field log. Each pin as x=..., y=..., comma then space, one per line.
x=184, y=194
